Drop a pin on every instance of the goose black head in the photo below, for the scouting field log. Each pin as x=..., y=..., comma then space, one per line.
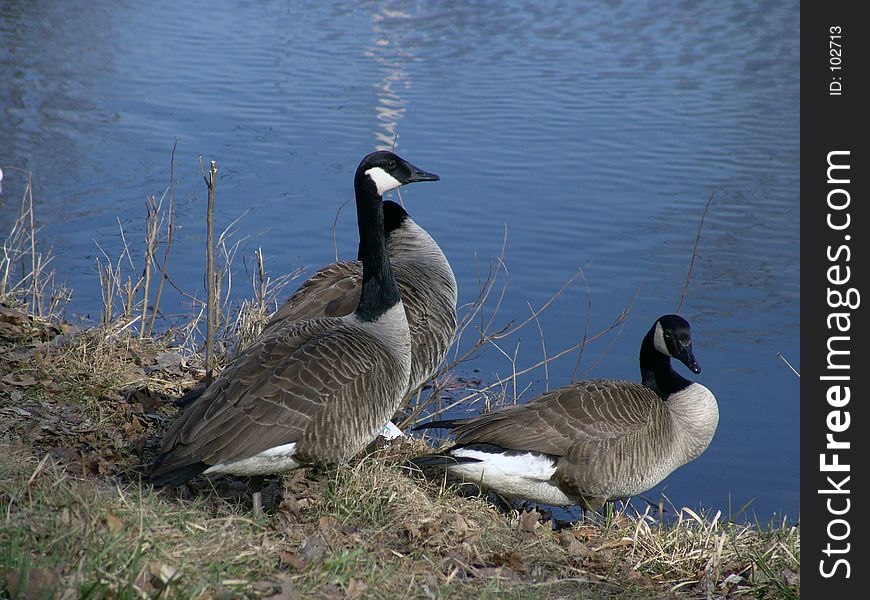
x=672, y=336
x=385, y=171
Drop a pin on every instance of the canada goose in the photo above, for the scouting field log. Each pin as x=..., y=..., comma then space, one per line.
x=591, y=441
x=426, y=284
x=314, y=391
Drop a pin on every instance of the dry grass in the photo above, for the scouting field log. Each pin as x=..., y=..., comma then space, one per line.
x=26, y=278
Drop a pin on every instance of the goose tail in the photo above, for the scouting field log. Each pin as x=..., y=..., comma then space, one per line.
x=440, y=424
x=441, y=460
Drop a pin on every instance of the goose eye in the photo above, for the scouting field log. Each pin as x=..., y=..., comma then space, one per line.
x=391, y=165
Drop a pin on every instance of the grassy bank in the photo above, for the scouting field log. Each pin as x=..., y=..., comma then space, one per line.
x=81, y=413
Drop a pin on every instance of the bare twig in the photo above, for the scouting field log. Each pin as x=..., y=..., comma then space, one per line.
x=211, y=318
x=694, y=252
x=616, y=337
x=27, y=279
x=586, y=323
x=543, y=349
x=170, y=227
x=152, y=228
x=335, y=225
x=475, y=395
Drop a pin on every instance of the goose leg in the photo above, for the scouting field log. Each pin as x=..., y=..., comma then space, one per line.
x=256, y=485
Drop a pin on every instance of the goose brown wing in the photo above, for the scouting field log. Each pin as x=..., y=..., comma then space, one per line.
x=584, y=412
x=333, y=291
x=284, y=388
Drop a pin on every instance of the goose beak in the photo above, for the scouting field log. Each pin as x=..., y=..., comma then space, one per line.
x=420, y=175
x=687, y=357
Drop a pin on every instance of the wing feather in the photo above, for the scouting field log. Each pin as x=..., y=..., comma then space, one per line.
x=585, y=412
x=301, y=383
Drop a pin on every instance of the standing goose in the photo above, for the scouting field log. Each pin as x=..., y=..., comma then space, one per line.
x=426, y=283
x=314, y=391
x=595, y=440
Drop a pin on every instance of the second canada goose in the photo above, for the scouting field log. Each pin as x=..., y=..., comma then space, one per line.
x=591, y=441
x=314, y=391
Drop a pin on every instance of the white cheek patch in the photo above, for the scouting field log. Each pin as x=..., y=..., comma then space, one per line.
x=659, y=340
x=383, y=180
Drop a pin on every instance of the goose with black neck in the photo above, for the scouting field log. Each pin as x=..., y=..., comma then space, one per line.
x=591, y=441
x=310, y=392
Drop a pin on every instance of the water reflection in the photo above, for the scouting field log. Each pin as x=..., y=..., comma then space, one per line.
x=389, y=53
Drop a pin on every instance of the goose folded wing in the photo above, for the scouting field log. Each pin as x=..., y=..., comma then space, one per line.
x=272, y=392
x=333, y=291
x=555, y=421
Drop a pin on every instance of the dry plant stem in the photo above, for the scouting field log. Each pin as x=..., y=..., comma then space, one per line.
x=335, y=226
x=694, y=253
x=615, y=338
x=170, y=226
x=211, y=319
x=474, y=395
x=152, y=224
x=35, y=285
x=487, y=337
x=588, y=320
x=29, y=192
x=543, y=349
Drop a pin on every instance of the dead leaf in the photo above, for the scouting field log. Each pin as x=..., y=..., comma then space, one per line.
x=331, y=591
x=36, y=582
x=313, y=549
x=19, y=380
x=638, y=578
x=327, y=522
x=570, y=541
x=162, y=573
x=529, y=520
x=512, y=560
x=614, y=544
x=356, y=588
x=287, y=591
x=291, y=559
x=116, y=525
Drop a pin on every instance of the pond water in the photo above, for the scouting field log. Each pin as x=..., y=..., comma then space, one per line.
x=592, y=132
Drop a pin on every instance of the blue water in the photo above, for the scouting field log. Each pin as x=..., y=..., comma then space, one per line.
x=594, y=132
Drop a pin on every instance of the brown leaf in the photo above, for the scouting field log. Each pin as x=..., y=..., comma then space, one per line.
x=356, y=588
x=313, y=549
x=116, y=525
x=638, y=578
x=162, y=574
x=291, y=559
x=570, y=541
x=36, y=582
x=287, y=591
x=19, y=380
x=512, y=560
x=327, y=522
x=412, y=533
x=529, y=520
x=614, y=544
